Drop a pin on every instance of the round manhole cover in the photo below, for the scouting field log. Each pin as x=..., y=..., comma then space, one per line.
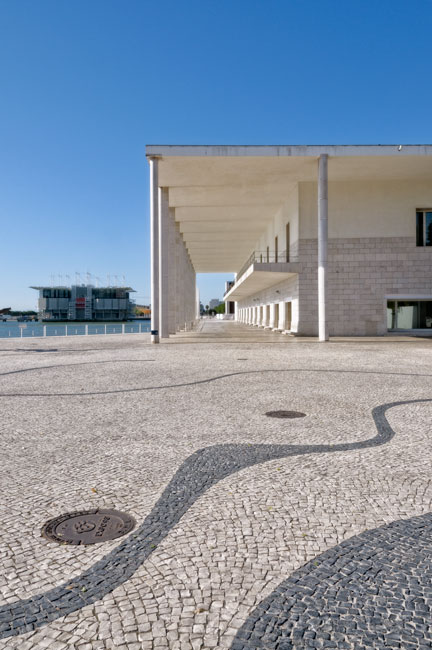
x=88, y=526
x=285, y=414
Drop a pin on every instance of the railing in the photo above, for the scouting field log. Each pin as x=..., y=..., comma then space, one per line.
x=30, y=330
x=262, y=257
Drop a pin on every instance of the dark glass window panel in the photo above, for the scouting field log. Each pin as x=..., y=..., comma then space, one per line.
x=428, y=241
x=419, y=229
x=391, y=315
x=407, y=314
x=287, y=235
x=425, y=314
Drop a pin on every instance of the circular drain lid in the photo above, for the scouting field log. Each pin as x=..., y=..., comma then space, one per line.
x=88, y=526
x=285, y=414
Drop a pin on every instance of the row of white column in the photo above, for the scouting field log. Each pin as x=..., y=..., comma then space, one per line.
x=170, y=310
x=275, y=316
x=173, y=277
x=258, y=315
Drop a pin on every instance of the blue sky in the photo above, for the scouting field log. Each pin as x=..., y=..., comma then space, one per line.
x=84, y=85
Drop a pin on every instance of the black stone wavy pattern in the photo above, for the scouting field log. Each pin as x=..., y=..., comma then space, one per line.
x=198, y=473
x=29, y=350
x=190, y=383
x=370, y=592
x=70, y=365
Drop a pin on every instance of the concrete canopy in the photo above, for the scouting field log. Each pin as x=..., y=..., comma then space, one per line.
x=224, y=196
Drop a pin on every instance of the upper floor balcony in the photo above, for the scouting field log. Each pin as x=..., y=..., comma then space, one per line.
x=262, y=270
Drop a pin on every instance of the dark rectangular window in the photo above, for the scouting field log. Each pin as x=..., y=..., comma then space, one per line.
x=287, y=242
x=419, y=229
x=424, y=228
x=409, y=314
x=276, y=249
x=268, y=254
x=425, y=314
x=391, y=315
x=428, y=229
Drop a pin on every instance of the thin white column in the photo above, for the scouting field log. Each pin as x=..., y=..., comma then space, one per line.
x=197, y=304
x=322, y=246
x=272, y=324
x=163, y=263
x=172, y=272
x=178, y=285
x=154, y=250
x=282, y=316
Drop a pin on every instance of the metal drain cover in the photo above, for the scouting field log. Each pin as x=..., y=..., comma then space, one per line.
x=285, y=414
x=88, y=526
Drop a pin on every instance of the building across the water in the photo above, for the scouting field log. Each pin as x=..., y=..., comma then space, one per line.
x=143, y=311
x=323, y=240
x=85, y=303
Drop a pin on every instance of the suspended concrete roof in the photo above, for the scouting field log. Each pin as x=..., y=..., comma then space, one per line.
x=224, y=196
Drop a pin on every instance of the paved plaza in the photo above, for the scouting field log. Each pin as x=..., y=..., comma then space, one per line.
x=251, y=531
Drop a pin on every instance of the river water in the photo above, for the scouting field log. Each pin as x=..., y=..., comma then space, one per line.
x=13, y=329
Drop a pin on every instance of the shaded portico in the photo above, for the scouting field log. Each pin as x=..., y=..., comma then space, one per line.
x=211, y=204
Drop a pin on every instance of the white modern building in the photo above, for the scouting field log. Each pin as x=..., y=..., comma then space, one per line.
x=323, y=240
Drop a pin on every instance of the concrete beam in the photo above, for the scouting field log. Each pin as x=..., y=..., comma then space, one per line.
x=290, y=150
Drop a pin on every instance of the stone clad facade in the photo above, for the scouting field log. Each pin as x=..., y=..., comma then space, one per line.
x=365, y=272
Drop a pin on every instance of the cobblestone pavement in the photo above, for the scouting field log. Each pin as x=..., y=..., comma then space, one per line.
x=372, y=591
x=257, y=524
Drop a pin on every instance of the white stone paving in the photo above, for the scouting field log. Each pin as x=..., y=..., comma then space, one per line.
x=248, y=532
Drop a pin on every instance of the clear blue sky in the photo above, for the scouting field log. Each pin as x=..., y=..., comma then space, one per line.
x=85, y=84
